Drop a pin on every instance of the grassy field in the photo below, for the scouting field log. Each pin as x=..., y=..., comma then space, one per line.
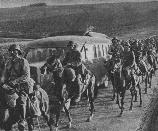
x=119, y=19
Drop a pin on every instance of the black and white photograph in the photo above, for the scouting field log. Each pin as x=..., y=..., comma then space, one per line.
x=78, y=65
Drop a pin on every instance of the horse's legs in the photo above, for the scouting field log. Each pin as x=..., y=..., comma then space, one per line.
x=113, y=97
x=91, y=110
x=117, y=101
x=48, y=119
x=122, y=100
x=8, y=127
x=30, y=124
x=140, y=95
x=132, y=90
x=150, y=79
x=91, y=100
x=142, y=79
x=146, y=83
x=68, y=115
x=114, y=90
x=135, y=94
x=57, y=115
x=87, y=95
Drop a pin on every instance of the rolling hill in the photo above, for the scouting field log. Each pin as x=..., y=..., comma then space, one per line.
x=121, y=19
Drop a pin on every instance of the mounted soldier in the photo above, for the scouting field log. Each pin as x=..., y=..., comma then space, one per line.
x=116, y=50
x=17, y=76
x=153, y=43
x=128, y=64
x=138, y=52
x=151, y=54
x=54, y=65
x=73, y=60
x=125, y=77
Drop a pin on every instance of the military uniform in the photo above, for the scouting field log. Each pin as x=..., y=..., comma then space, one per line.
x=138, y=58
x=116, y=50
x=54, y=65
x=129, y=66
x=151, y=55
x=128, y=59
x=18, y=76
x=74, y=58
x=18, y=70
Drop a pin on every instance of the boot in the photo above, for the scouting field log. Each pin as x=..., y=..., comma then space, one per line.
x=22, y=111
x=21, y=105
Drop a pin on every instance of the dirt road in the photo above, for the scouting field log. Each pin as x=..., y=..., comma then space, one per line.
x=106, y=115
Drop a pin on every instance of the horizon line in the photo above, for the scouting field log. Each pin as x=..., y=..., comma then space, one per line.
x=82, y=3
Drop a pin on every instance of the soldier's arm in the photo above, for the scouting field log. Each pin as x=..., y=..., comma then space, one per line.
x=26, y=72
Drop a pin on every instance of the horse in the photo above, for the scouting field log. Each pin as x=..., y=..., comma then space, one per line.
x=65, y=81
x=148, y=59
x=122, y=83
x=9, y=114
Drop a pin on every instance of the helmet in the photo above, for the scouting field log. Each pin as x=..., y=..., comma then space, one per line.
x=115, y=39
x=71, y=43
x=15, y=47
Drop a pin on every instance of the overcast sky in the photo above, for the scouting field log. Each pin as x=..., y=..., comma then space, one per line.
x=16, y=3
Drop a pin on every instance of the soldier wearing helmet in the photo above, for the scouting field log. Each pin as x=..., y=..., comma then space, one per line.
x=128, y=62
x=151, y=53
x=71, y=53
x=116, y=51
x=128, y=57
x=74, y=60
x=138, y=52
x=18, y=77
